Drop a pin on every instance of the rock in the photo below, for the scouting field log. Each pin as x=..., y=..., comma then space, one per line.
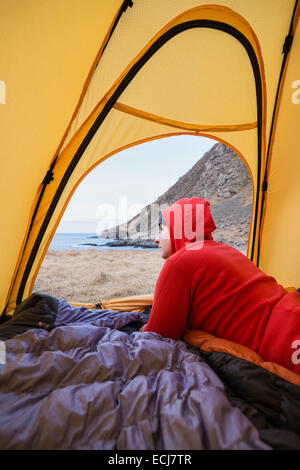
x=133, y=243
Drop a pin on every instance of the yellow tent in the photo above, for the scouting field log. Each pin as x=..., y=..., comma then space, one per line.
x=85, y=79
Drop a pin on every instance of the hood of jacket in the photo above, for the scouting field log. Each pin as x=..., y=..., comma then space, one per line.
x=188, y=220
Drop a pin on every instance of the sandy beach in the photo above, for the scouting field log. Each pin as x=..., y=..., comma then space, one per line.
x=90, y=276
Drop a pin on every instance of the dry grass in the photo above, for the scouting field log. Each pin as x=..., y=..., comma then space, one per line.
x=88, y=276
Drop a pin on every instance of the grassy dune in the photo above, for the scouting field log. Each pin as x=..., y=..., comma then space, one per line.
x=90, y=275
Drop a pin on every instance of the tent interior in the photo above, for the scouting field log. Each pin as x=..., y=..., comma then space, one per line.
x=116, y=74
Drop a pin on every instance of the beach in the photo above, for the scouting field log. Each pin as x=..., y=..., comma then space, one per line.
x=90, y=275
x=93, y=275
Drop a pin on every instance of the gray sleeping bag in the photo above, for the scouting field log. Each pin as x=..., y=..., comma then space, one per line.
x=87, y=385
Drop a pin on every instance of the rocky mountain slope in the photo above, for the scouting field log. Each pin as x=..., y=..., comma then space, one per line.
x=222, y=178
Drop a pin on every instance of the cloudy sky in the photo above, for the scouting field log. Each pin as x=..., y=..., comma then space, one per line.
x=122, y=185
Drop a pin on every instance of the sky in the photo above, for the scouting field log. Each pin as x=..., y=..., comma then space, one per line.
x=122, y=185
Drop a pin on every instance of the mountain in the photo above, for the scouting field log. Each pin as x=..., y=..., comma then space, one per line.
x=220, y=177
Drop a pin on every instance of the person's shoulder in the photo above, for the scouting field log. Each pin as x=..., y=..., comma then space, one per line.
x=190, y=256
x=203, y=252
x=196, y=249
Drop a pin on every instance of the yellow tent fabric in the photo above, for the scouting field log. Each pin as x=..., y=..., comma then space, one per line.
x=86, y=79
x=136, y=303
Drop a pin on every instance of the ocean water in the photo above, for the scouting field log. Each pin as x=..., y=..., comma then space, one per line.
x=85, y=241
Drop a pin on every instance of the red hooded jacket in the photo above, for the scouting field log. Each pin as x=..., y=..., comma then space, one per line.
x=213, y=287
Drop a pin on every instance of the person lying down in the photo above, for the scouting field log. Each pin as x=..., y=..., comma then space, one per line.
x=213, y=287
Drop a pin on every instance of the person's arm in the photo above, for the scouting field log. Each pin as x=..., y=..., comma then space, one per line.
x=171, y=303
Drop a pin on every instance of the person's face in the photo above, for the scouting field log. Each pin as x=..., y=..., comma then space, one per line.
x=164, y=242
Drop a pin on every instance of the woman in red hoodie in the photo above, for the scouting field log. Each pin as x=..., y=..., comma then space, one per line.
x=213, y=287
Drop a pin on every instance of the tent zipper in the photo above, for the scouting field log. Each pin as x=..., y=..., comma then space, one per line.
x=285, y=50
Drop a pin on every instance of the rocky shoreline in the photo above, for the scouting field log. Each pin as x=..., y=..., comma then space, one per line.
x=143, y=243
x=140, y=243
x=134, y=243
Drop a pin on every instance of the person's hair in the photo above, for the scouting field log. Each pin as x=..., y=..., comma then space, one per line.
x=160, y=219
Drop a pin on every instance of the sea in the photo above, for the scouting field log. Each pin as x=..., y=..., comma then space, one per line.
x=85, y=241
